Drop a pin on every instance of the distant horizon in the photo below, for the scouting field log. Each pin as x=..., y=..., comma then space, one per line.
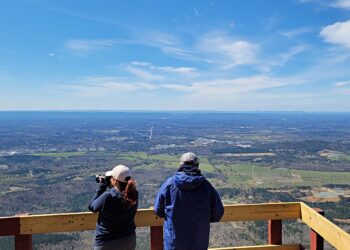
x=170, y=111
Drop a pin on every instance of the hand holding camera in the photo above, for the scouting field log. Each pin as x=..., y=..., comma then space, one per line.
x=103, y=180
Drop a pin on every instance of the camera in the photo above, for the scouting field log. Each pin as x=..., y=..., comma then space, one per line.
x=103, y=179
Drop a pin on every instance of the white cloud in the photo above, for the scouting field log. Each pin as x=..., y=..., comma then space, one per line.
x=141, y=73
x=180, y=70
x=169, y=44
x=157, y=39
x=296, y=32
x=179, y=52
x=212, y=89
x=214, y=47
x=86, y=45
x=281, y=59
x=337, y=33
x=96, y=87
x=341, y=4
x=54, y=55
x=227, y=88
x=341, y=84
x=227, y=51
x=149, y=71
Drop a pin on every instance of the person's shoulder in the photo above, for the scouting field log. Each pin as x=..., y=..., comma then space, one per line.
x=106, y=195
x=208, y=184
x=168, y=182
x=114, y=197
x=115, y=192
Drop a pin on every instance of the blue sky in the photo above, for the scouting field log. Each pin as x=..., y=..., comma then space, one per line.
x=272, y=55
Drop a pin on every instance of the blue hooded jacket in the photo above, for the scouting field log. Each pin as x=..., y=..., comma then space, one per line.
x=188, y=203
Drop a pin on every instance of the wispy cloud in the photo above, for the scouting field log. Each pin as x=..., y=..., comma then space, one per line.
x=157, y=39
x=142, y=73
x=337, y=33
x=189, y=72
x=280, y=60
x=96, y=87
x=341, y=84
x=88, y=45
x=147, y=71
x=169, y=44
x=210, y=89
x=296, y=32
x=342, y=4
x=54, y=55
x=226, y=88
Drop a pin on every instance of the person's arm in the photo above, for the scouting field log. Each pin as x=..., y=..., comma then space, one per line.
x=159, y=203
x=216, y=207
x=97, y=201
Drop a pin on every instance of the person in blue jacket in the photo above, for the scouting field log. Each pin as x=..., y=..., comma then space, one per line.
x=117, y=206
x=188, y=203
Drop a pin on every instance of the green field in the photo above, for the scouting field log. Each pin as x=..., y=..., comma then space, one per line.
x=335, y=155
x=240, y=175
x=255, y=176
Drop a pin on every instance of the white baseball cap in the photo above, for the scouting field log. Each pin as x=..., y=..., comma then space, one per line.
x=189, y=157
x=120, y=173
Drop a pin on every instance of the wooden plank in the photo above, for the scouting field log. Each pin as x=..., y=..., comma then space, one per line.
x=329, y=231
x=9, y=226
x=263, y=211
x=316, y=240
x=147, y=218
x=68, y=222
x=49, y=223
x=261, y=247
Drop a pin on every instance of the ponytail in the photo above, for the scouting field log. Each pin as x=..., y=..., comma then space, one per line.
x=130, y=193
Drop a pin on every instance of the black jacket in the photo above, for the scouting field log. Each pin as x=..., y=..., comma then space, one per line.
x=115, y=219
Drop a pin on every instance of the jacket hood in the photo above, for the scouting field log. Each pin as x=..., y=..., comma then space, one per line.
x=188, y=181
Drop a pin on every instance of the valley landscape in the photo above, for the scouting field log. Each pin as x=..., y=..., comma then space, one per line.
x=48, y=163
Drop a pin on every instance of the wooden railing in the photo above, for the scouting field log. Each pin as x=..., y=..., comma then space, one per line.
x=22, y=227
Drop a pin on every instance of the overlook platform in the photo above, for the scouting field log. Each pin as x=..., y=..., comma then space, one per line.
x=22, y=227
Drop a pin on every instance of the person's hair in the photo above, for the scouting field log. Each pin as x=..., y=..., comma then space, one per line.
x=129, y=192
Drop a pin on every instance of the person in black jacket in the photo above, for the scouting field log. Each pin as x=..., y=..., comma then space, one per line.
x=117, y=206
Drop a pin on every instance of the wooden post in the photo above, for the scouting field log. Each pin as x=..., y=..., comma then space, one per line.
x=23, y=242
x=316, y=241
x=157, y=238
x=11, y=226
x=275, y=232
